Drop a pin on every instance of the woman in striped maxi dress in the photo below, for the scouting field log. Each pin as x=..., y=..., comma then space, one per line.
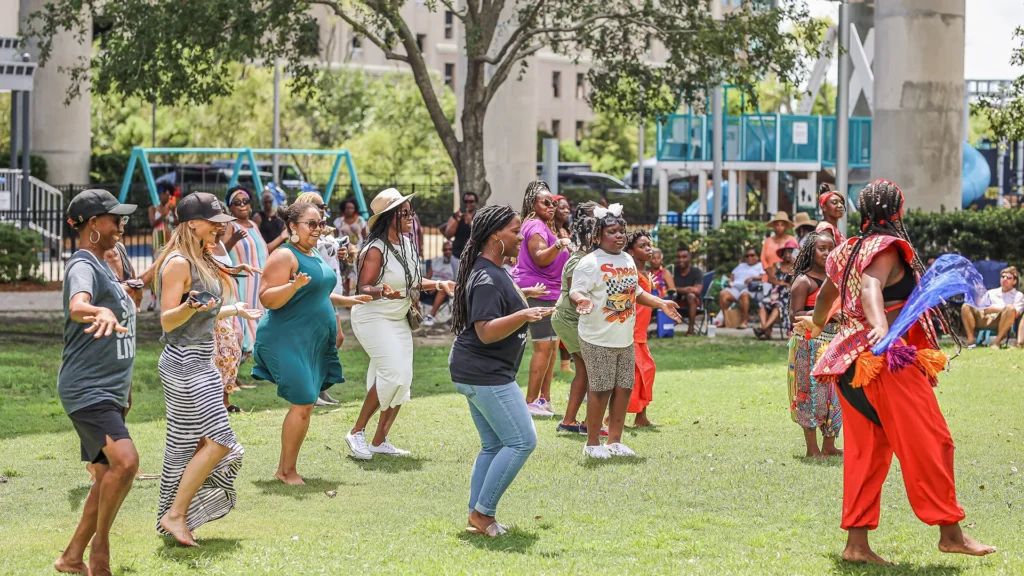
x=245, y=245
x=202, y=457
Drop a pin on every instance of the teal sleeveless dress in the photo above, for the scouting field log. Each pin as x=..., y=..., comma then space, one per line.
x=295, y=344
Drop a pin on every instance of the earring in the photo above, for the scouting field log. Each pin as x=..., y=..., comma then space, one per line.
x=502, y=245
x=97, y=233
x=294, y=238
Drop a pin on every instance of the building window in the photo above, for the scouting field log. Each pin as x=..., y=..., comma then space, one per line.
x=581, y=86
x=556, y=84
x=556, y=127
x=421, y=39
x=357, y=47
x=449, y=75
x=579, y=132
x=449, y=24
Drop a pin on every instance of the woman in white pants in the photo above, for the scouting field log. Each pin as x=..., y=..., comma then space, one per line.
x=388, y=272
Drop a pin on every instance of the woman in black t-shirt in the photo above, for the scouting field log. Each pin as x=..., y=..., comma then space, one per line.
x=490, y=316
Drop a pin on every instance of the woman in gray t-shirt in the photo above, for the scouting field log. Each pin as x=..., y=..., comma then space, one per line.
x=94, y=381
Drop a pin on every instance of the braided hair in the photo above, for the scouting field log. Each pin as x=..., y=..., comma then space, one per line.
x=533, y=189
x=804, y=262
x=487, y=221
x=407, y=250
x=881, y=212
x=600, y=224
x=633, y=237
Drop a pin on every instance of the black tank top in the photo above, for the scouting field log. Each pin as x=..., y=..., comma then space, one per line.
x=461, y=237
x=901, y=290
x=270, y=227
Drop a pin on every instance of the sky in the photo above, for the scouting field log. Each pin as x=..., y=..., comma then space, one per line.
x=989, y=31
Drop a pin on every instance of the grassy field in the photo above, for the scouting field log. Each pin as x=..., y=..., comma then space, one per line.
x=720, y=486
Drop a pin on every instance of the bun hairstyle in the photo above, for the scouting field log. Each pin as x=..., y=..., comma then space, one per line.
x=291, y=213
x=633, y=237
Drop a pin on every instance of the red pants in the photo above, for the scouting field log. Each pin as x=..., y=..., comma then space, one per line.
x=913, y=428
x=643, y=381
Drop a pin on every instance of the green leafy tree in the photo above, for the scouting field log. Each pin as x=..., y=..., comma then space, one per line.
x=175, y=51
x=1006, y=119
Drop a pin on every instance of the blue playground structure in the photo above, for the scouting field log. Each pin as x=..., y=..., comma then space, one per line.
x=243, y=157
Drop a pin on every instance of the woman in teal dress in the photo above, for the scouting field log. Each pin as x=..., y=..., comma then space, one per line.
x=296, y=344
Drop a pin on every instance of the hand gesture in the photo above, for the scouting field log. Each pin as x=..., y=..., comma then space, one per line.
x=103, y=323
x=536, y=291
x=584, y=306
x=806, y=327
x=448, y=286
x=238, y=235
x=351, y=254
x=876, y=334
x=562, y=243
x=458, y=216
x=671, y=309
x=249, y=313
x=213, y=303
x=250, y=270
x=536, y=314
x=360, y=299
x=387, y=292
x=300, y=280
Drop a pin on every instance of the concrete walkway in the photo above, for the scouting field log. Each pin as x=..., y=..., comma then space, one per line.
x=31, y=301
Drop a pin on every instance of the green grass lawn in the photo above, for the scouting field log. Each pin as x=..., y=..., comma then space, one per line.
x=720, y=486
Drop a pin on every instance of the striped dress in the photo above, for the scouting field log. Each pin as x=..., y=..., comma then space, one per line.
x=194, y=397
x=251, y=250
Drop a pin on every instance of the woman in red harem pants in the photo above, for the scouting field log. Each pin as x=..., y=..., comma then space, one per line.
x=639, y=246
x=888, y=403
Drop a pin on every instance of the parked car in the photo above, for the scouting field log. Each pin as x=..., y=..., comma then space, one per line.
x=291, y=176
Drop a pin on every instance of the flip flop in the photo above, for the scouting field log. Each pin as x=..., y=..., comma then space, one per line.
x=234, y=409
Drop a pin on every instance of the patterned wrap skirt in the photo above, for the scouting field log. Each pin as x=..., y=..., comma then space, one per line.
x=229, y=353
x=813, y=404
x=194, y=394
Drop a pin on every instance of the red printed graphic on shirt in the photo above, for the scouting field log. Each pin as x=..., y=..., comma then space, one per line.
x=620, y=284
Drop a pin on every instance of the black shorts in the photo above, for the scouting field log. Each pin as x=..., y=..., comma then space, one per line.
x=93, y=424
x=541, y=330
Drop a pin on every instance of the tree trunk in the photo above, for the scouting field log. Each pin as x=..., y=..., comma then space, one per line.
x=470, y=168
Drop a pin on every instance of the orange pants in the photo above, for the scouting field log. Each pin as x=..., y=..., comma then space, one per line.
x=913, y=428
x=643, y=382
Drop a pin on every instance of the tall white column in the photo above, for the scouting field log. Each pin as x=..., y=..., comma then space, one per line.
x=917, y=130
x=733, y=195
x=773, y=191
x=741, y=192
x=702, y=199
x=662, y=192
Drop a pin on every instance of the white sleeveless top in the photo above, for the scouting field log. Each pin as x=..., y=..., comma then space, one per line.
x=394, y=276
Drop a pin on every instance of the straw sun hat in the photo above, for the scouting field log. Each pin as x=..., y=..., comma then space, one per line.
x=386, y=201
x=781, y=216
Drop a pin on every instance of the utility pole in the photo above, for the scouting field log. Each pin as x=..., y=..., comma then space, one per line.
x=277, y=124
x=716, y=137
x=843, y=108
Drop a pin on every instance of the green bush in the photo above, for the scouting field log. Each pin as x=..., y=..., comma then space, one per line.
x=36, y=164
x=717, y=250
x=994, y=234
x=19, y=258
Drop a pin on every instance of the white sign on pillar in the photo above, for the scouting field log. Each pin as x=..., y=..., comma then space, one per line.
x=799, y=132
x=805, y=194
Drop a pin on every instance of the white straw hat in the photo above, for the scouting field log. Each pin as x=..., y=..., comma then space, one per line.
x=386, y=201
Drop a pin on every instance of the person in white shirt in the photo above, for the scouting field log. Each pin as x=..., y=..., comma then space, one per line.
x=748, y=271
x=445, y=267
x=1007, y=305
x=606, y=290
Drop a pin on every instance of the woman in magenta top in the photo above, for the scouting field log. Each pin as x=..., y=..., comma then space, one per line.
x=541, y=259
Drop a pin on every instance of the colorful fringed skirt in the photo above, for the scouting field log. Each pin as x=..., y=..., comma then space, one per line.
x=812, y=404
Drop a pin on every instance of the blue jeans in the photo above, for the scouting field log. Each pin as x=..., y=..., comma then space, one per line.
x=507, y=436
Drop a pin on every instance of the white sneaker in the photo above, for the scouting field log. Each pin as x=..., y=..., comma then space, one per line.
x=599, y=452
x=428, y=321
x=357, y=445
x=546, y=405
x=619, y=449
x=320, y=402
x=537, y=409
x=386, y=448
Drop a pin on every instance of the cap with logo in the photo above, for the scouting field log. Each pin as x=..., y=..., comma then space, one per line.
x=95, y=202
x=202, y=206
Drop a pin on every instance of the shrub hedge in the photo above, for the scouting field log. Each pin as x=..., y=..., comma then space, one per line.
x=19, y=254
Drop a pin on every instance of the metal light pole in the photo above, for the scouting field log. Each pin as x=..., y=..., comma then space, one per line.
x=152, y=139
x=716, y=137
x=640, y=150
x=277, y=122
x=843, y=108
x=26, y=131
x=14, y=130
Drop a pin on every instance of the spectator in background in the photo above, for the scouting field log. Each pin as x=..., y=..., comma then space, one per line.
x=243, y=241
x=776, y=303
x=161, y=219
x=458, y=226
x=444, y=268
x=351, y=225
x=661, y=278
x=269, y=223
x=563, y=214
x=738, y=290
x=1007, y=305
x=689, y=283
x=804, y=225
x=781, y=224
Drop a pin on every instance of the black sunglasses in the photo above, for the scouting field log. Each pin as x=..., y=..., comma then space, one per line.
x=315, y=224
x=242, y=202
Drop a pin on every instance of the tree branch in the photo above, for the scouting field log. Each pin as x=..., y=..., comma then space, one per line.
x=362, y=30
x=501, y=74
x=513, y=38
x=460, y=14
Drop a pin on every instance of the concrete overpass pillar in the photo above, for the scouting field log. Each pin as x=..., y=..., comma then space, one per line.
x=919, y=99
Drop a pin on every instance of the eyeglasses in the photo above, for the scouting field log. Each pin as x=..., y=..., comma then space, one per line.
x=409, y=213
x=469, y=200
x=315, y=224
x=1008, y=277
x=240, y=202
x=548, y=203
x=121, y=220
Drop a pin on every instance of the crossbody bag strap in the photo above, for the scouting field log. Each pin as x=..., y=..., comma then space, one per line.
x=405, y=265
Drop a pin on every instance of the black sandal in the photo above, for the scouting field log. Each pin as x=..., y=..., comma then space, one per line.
x=234, y=409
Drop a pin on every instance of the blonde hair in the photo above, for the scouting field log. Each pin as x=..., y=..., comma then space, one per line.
x=310, y=197
x=184, y=241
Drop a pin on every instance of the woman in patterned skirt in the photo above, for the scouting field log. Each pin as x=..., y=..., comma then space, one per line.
x=244, y=243
x=813, y=404
x=202, y=457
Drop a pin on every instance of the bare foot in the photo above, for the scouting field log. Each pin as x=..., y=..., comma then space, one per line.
x=863, y=555
x=814, y=453
x=690, y=333
x=99, y=563
x=177, y=525
x=964, y=545
x=69, y=566
x=292, y=479
x=641, y=422
x=828, y=452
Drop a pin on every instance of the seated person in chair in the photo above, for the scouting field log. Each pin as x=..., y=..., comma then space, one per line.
x=739, y=289
x=444, y=268
x=1007, y=305
x=689, y=283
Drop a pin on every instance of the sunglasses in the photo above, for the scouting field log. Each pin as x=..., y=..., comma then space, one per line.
x=122, y=220
x=315, y=224
x=468, y=201
x=548, y=203
x=1008, y=277
x=406, y=213
x=239, y=202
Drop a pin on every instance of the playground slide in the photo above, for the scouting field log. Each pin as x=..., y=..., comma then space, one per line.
x=975, y=176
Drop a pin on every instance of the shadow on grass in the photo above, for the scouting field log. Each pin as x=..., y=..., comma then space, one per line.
x=591, y=463
x=833, y=462
x=208, y=548
x=516, y=541
x=852, y=569
x=391, y=464
x=314, y=487
x=77, y=495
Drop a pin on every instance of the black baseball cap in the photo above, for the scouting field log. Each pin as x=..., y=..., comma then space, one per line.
x=202, y=206
x=95, y=202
